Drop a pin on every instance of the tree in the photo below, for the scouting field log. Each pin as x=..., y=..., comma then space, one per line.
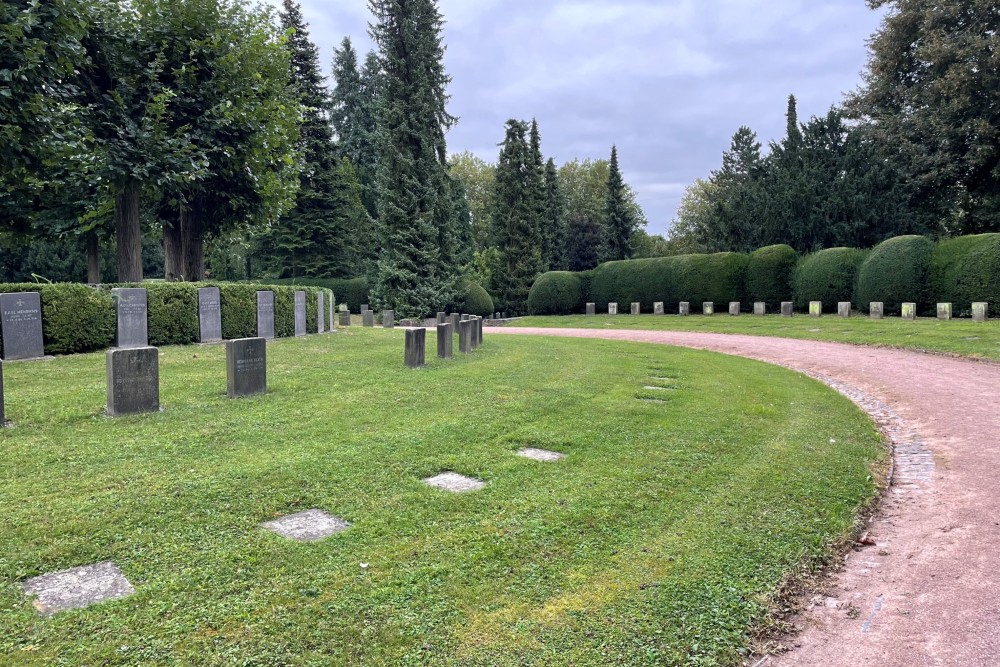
x=738, y=198
x=620, y=225
x=537, y=196
x=477, y=177
x=583, y=242
x=554, y=221
x=414, y=200
x=691, y=230
x=930, y=99
x=584, y=185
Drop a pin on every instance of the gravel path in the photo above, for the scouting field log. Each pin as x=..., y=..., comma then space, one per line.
x=928, y=592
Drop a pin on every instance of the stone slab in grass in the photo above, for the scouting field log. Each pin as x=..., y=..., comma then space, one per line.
x=309, y=526
x=77, y=587
x=454, y=482
x=543, y=455
x=650, y=387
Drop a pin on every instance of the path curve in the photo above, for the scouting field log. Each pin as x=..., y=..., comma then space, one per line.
x=928, y=593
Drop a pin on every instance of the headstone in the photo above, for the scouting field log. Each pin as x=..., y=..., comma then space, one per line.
x=441, y=318
x=815, y=308
x=909, y=311
x=759, y=308
x=465, y=337
x=944, y=311
x=612, y=309
x=466, y=317
x=416, y=343
x=77, y=587
x=21, y=318
x=685, y=308
x=479, y=331
x=388, y=319
x=246, y=367
x=364, y=307
x=658, y=308
x=333, y=324
x=133, y=380
x=787, y=308
x=209, y=315
x=876, y=310
x=320, y=309
x=309, y=526
x=734, y=308
x=844, y=309
x=591, y=308
x=980, y=313
x=345, y=318
x=454, y=319
x=300, y=314
x=3, y=417
x=444, y=340
x=265, y=314
x=708, y=308
x=636, y=308
x=130, y=304
x=368, y=318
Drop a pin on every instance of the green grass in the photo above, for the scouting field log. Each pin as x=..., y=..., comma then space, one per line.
x=662, y=539
x=960, y=337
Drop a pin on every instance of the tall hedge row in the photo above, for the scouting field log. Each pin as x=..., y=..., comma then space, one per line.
x=769, y=274
x=827, y=276
x=81, y=318
x=967, y=269
x=353, y=291
x=896, y=272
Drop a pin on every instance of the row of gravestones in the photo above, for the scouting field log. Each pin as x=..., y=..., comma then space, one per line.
x=470, y=337
x=876, y=310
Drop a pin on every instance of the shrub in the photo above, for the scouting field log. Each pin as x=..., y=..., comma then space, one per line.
x=769, y=275
x=475, y=300
x=556, y=293
x=719, y=278
x=897, y=271
x=173, y=312
x=967, y=269
x=75, y=317
x=829, y=276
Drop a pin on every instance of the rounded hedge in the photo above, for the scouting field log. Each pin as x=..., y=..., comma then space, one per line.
x=829, y=276
x=896, y=272
x=475, y=300
x=556, y=293
x=966, y=269
x=769, y=275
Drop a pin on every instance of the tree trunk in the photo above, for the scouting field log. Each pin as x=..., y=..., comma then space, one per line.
x=93, y=259
x=128, y=234
x=194, y=249
x=173, y=250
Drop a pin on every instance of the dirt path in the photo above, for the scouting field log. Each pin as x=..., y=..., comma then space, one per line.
x=928, y=592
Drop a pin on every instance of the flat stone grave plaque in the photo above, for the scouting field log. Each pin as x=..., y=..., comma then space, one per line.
x=685, y=308
x=787, y=308
x=844, y=308
x=133, y=380
x=416, y=347
x=909, y=311
x=246, y=367
x=368, y=318
x=309, y=526
x=77, y=587
x=876, y=310
x=636, y=308
x=345, y=318
x=815, y=308
x=452, y=481
x=265, y=314
x=21, y=319
x=708, y=308
x=131, y=308
x=980, y=313
x=759, y=308
x=612, y=309
x=444, y=341
x=658, y=308
x=734, y=308
x=388, y=319
x=300, y=314
x=320, y=309
x=591, y=309
x=543, y=455
x=209, y=315
x=944, y=311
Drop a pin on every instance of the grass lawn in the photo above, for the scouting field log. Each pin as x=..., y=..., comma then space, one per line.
x=962, y=337
x=661, y=538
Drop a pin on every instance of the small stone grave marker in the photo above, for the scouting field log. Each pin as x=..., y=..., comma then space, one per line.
x=815, y=308
x=209, y=315
x=658, y=308
x=442, y=318
x=309, y=526
x=300, y=314
x=787, y=308
x=345, y=318
x=909, y=311
x=466, y=317
x=77, y=587
x=708, y=308
x=246, y=367
x=759, y=308
x=734, y=308
x=368, y=318
x=131, y=309
x=21, y=319
x=876, y=310
x=685, y=308
x=265, y=314
x=454, y=319
x=980, y=313
x=465, y=337
x=364, y=307
x=333, y=324
x=320, y=309
x=636, y=308
x=543, y=455
x=591, y=309
x=612, y=309
x=3, y=417
x=444, y=340
x=844, y=308
x=454, y=482
x=944, y=311
x=133, y=376
x=388, y=319
x=416, y=347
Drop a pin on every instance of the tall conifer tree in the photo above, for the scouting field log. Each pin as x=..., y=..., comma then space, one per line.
x=620, y=223
x=554, y=223
x=536, y=191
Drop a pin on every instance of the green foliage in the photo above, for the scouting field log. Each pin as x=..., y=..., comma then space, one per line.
x=583, y=242
x=829, y=276
x=620, y=223
x=966, y=269
x=556, y=293
x=896, y=272
x=173, y=312
x=475, y=300
x=75, y=318
x=769, y=275
x=353, y=292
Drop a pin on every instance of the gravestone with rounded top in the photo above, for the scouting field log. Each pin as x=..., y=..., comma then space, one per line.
x=612, y=309
x=734, y=308
x=133, y=376
x=759, y=308
x=265, y=314
x=636, y=308
x=708, y=308
x=980, y=312
x=815, y=308
x=658, y=308
x=909, y=311
x=131, y=309
x=591, y=309
x=685, y=308
x=444, y=340
x=246, y=367
x=876, y=310
x=209, y=315
x=944, y=311
x=844, y=308
x=320, y=309
x=21, y=320
x=388, y=319
x=345, y=318
x=300, y=314
x=787, y=308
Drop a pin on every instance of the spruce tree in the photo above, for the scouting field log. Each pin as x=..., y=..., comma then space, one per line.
x=346, y=103
x=554, y=227
x=620, y=224
x=538, y=202
x=415, y=275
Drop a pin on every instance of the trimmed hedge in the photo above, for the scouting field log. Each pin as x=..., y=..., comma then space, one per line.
x=556, y=293
x=967, y=269
x=476, y=300
x=75, y=318
x=353, y=291
x=769, y=275
x=828, y=276
x=896, y=272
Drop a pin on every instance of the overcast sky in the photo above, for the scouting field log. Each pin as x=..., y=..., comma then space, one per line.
x=668, y=81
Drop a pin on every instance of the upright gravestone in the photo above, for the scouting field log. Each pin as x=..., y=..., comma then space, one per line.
x=636, y=308
x=320, y=309
x=133, y=380
x=416, y=346
x=130, y=306
x=368, y=318
x=333, y=324
x=345, y=318
x=388, y=319
x=209, y=315
x=442, y=318
x=876, y=310
x=364, y=307
x=944, y=311
x=909, y=311
x=734, y=308
x=815, y=308
x=21, y=318
x=612, y=309
x=658, y=308
x=465, y=336
x=246, y=367
x=479, y=331
x=3, y=418
x=708, y=308
x=591, y=308
x=265, y=314
x=466, y=317
x=844, y=308
x=454, y=319
x=787, y=308
x=980, y=313
x=759, y=308
x=685, y=308
x=444, y=340
x=300, y=314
